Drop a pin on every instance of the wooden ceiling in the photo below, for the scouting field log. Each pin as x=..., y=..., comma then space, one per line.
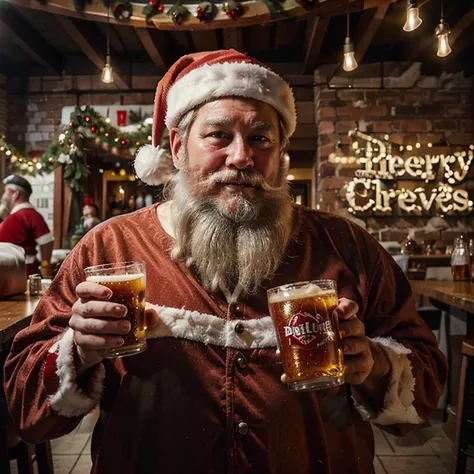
x=36, y=42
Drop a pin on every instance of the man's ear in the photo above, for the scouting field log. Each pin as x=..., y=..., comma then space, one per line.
x=175, y=144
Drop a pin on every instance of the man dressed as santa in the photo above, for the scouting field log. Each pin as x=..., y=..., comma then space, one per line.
x=207, y=395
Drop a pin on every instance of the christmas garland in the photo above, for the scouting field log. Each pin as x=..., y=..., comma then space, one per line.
x=205, y=11
x=85, y=125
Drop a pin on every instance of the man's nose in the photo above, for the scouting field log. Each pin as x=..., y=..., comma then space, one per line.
x=240, y=154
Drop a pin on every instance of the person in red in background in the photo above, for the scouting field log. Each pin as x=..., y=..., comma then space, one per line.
x=25, y=226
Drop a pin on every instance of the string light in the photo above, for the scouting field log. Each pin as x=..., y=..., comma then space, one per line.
x=350, y=62
x=442, y=32
x=413, y=16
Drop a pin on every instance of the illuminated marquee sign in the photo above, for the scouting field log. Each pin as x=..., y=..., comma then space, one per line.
x=375, y=189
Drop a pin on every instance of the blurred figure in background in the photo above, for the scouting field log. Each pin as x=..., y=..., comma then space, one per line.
x=90, y=212
x=25, y=226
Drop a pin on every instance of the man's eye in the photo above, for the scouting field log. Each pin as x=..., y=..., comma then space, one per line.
x=260, y=138
x=217, y=135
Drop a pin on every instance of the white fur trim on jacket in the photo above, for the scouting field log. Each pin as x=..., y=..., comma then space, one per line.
x=398, y=403
x=231, y=79
x=70, y=400
x=209, y=329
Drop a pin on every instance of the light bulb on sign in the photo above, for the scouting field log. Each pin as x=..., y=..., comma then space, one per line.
x=413, y=17
x=107, y=73
x=442, y=33
x=350, y=62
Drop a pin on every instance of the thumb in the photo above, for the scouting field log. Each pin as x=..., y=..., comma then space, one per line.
x=151, y=318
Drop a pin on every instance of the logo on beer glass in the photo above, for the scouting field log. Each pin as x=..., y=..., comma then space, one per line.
x=308, y=331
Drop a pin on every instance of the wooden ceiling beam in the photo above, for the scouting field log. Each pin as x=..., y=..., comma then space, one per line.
x=18, y=30
x=459, y=44
x=317, y=29
x=83, y=36
x=205, y=40
x=232, y=38
x=367, y=29
x=155, y=49
x=256, y=13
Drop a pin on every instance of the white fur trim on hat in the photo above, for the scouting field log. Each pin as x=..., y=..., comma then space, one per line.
x=153, y=165
x=210, y=329
x=70, y=400
x=398, y=402
x=243, y=79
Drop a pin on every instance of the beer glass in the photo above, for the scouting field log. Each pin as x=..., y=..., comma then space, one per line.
x=127, y=281
x=308, y=334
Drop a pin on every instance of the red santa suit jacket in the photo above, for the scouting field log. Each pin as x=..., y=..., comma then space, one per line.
x=206, y=395
x=26, y=228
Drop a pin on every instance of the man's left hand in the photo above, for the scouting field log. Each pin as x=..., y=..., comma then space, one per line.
x=361, y=359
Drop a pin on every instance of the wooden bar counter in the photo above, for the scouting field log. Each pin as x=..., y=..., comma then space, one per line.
x=15, y=314
x=454, y=294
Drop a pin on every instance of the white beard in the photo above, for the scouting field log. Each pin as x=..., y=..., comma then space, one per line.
x=4, y=211
x=225, y=246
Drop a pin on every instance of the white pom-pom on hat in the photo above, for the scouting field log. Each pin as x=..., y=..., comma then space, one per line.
x=153, y=165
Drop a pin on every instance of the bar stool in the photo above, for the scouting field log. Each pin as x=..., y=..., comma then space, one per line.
x=465, y=410
x=13, y=448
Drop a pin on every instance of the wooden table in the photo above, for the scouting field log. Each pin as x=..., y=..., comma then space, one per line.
x=15, y=314
x=458, y=295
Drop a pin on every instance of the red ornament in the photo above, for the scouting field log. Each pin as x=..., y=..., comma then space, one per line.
x=152, y=3
x=87, y=118
x=161, y=7
x=71, y=123
x=93, y=129
x=121, y=118
x=123, y=142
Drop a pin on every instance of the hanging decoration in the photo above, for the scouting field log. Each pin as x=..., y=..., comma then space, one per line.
x=85, y=127
x=154, y=7
x=205, y=11
x=123, y=10
x=233, y=9
x=178, y=13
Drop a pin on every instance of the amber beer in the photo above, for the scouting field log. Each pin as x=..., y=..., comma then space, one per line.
x=308, y=334
x=127, y=282
x=460, y=272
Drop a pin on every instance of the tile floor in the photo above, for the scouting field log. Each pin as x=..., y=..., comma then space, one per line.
x=428, y=450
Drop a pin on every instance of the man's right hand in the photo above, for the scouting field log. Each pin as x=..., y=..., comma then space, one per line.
x=98, y=324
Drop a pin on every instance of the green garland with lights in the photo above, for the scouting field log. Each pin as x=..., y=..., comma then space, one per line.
x=67, y=150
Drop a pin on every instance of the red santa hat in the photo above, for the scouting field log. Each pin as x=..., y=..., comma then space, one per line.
x=202, y=77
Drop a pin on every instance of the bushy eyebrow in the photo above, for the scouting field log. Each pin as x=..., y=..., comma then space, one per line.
x=262, y=126
x=259, y=126
x=216, y=122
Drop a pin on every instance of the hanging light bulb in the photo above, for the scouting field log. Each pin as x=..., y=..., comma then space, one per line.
x=442, y=33
x=413, y=16
x=107, y=73
x=350, y=62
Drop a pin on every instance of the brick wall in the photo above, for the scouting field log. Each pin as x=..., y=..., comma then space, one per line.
x=416, y=109
x=34, y=119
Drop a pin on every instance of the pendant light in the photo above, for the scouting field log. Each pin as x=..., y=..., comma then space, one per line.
x=107, y=75
x=442, y=32
x=413, y=16
x=349, y=63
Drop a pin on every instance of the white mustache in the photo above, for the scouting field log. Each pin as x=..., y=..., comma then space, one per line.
x=251, y=178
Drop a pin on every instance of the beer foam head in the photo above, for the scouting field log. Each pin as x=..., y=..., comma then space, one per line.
x=114, y=278
x=286, y=293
